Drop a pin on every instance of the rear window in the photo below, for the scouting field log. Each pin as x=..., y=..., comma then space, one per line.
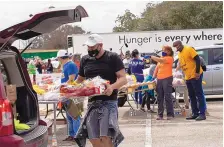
x=204, y=55
x=218, y=56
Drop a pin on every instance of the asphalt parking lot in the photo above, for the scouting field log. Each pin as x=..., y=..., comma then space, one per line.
x=143, y=130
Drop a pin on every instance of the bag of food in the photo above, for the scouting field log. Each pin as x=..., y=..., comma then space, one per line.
x=178, y=75
x=73, y=108
x=178, y=79
x=89, y=88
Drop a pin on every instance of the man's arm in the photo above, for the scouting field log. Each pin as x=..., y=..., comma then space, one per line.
x=81, y=75
x=71, y=78
x=121, y=79
x=178, y=66
x=197, y=60
x=80, y=79
x=120, y=72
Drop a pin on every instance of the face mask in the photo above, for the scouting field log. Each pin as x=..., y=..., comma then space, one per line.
x=94, y=53
x=179, y=48
x=164, y=54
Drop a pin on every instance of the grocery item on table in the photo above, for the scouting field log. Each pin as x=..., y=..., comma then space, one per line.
x=39, y=90
x=131, y=80
x=50, y=79
x=55, y=92
x=47, y=80
x=132, y=84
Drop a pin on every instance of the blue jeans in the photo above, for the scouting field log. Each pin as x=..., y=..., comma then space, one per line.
x=138, y=95
x=73, y=125
x=102, y=120
x=197, y=97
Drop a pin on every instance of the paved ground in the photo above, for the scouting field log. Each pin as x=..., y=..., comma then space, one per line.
x=143, y=130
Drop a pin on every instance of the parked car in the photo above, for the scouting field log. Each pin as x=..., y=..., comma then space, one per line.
x=14, y=72
x=213, y=76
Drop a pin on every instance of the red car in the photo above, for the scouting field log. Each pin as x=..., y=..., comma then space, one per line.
x=13, y=71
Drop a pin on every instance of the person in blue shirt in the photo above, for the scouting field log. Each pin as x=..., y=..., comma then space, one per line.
x=69, y=74
x=136, y=67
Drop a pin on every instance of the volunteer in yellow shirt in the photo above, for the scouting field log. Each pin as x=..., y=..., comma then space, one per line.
x=163, y=73
x=190, y=64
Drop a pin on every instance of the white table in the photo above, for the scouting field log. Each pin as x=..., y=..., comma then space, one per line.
x=54, y=109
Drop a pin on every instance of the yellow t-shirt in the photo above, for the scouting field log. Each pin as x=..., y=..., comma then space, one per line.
x=187, y=62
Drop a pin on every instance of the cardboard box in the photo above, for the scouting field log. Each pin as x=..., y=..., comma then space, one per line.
x=11, y=93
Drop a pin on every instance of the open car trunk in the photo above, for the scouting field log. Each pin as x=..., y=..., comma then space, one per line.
x=44, y=22
x=26, y=103
x=14, y=70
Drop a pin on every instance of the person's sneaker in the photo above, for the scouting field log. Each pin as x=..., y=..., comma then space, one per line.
x=142, y=109
x=159, y=118
x=192, y=117
x=201, y=117
x=151, y=111
x=69, y=138
x=170, y=117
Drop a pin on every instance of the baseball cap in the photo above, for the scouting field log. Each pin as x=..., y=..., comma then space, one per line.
x=62, y=53
x=94, y=39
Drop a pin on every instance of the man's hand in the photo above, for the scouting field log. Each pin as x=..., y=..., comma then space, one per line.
x=197, y=76
x=109, y=89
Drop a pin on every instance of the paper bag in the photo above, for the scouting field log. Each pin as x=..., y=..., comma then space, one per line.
x=11, y=93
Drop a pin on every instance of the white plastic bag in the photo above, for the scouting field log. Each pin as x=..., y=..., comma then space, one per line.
x=178, y=75
x=178, y=79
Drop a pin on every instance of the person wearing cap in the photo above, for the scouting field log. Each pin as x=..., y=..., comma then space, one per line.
x=136, y=67
x=69, y=74
x=191, y=66
x=164, y=75
x=100, y=123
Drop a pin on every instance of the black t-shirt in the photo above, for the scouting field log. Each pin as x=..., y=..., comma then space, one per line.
x=39, y=68
x=50, y=67
x=105, y=67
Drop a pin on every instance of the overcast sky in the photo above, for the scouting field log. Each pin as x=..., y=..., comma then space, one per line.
x=102, y=14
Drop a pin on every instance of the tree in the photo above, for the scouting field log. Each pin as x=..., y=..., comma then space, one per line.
x=56, y=39
x=126, y=23
x=169, y=15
